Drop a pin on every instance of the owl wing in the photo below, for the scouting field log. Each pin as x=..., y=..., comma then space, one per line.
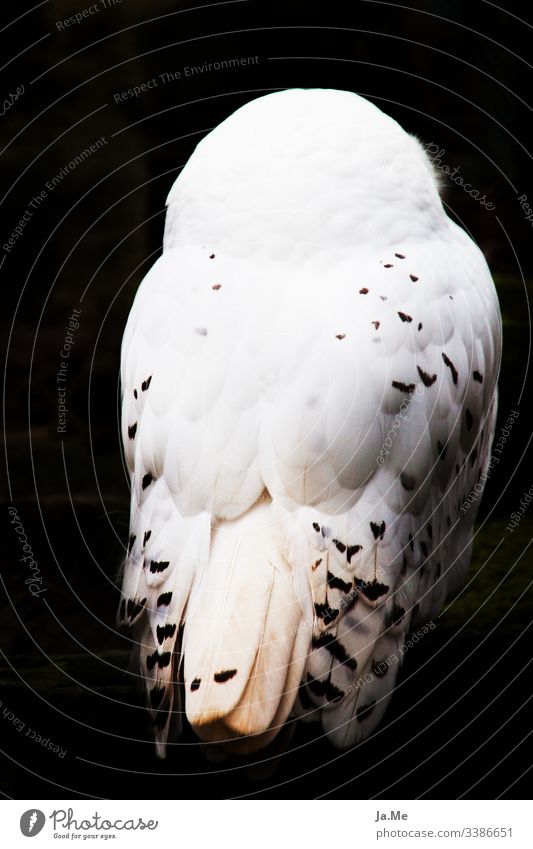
x=384, y=506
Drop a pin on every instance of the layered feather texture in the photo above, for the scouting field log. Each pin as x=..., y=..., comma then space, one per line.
x=309, y=392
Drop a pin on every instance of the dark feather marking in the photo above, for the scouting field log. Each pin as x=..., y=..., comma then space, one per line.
x=147, y=480
x=122, y=609
x=371, y=589
x=211, y=256
x=424, y=548
x=146, y=383
x=340, y=336
x=135, y=393
x=408, y=481
x=325, y=612
x=413, y=277
x=340, y=545
x=160, y=660
x=403, y=387
x=332, y=693
x=411, y=543
x=316, y=526
x=322, y=641
x=351, y=550
x=420, y=327
x=469, y=420
x=430, y=530
x=165, y=632
x=442, y=449
x=195, y=685
x=316, y=686
x=159, y=565
x=400, y=256
x=135, y=607
x=376, y=324
x=388, y=265
x=338, y=584
x=132, y=430
x=379, y=668
x=378, y=530
x=336, y=649
x=427, y=379
x=363, y=291
x=216, y=286
x=477, y=376
x=147, y=535
x=131, y=542
x=405, y=317
x=226, y=675
x=451, y=366
x=164, y=599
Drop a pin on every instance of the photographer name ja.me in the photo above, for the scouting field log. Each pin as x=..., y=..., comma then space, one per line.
x=391, y=815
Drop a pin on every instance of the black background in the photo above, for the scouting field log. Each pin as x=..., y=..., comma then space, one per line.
x=456, y=74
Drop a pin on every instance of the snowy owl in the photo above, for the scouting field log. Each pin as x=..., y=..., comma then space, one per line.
x=309, y=395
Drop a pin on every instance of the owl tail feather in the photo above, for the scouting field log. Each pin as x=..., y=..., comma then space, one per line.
x=245, y=641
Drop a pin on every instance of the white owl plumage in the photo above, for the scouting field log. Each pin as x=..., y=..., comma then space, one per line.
x=309, y=394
